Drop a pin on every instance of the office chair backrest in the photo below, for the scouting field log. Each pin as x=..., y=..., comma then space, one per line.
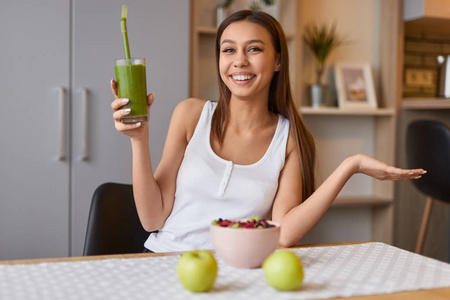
x=113, y=225
x=428, y=147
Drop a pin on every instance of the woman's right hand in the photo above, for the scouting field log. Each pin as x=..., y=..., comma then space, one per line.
x=135, y=131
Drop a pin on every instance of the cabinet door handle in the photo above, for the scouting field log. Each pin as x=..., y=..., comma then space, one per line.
x=62, y=124
x=84, y=124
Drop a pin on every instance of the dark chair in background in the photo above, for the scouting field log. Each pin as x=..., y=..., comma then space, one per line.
x=428, y=147
x=113, y=225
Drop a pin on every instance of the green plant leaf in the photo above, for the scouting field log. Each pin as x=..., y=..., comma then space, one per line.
x=268, y=2
x=321, y=41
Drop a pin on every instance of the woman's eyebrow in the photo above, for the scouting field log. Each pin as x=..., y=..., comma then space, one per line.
x=255, y=41
x=228, y=41
x=248, y=42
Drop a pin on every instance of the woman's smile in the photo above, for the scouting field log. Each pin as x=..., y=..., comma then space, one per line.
x=242, y=78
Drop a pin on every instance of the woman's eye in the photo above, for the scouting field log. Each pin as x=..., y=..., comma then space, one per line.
x=227, y=50
x=254, y=49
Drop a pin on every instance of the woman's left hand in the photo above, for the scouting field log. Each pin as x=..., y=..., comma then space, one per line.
x=382, y=171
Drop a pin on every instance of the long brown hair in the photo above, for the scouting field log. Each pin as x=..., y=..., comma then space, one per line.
x=280, y=96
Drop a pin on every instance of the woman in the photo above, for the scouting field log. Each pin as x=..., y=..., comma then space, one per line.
x=246, y=154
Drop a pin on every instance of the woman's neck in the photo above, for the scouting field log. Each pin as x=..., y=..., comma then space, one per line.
x=250, y=114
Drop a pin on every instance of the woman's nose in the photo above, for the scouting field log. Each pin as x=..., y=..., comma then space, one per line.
x=240, y=60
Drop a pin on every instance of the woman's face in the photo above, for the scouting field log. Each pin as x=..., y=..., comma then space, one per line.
x=247, y=60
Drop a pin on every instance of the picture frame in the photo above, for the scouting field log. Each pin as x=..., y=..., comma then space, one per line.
x=419, y=78
x=355, y=87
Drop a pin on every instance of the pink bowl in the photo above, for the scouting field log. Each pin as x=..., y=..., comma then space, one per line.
x=245, y=247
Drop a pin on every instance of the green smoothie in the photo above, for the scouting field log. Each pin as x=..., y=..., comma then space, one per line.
x=132, y=84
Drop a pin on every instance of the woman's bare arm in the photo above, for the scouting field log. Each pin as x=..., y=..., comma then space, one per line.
x=154, y=193
x=298, y=218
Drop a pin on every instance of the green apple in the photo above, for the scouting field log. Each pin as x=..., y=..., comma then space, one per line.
x=197, y=270
x=283, y=270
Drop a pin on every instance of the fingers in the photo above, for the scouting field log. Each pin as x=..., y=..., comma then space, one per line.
x=416, y=173
x=118, y=103
x=113, y=85
x=150, y=99
x=132, y=130
x=122, y=127
x=127, y=128
x=120, y=113
x=406, y=174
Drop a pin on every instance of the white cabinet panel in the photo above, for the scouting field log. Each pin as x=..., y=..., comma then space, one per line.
x=34, y=184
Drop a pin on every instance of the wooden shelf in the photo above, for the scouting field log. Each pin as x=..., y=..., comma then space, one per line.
x=207, y=30
x=290, y=36
x=425, y=103
x=336, y=111
x=363, y=201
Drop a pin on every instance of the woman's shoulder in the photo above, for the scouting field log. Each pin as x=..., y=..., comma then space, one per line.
x=191, y=104
x=188, y=112
x=189, y=109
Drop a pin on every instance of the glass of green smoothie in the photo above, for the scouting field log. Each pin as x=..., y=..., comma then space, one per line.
x=130, y=78
x=132, y=84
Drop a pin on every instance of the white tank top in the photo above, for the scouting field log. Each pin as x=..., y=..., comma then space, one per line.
x=209, y=187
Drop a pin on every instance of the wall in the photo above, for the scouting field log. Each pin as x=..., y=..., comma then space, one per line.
x=357, y=23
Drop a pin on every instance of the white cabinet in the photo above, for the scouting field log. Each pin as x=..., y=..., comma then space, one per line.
x=56, y=61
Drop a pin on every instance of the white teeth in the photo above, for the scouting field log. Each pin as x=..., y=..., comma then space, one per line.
x=242, y=77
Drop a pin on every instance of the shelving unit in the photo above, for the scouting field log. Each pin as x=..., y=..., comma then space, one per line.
x=361, y=202
x=340, y=133
x=335, y=111
x=425, y=103
x=207, y=30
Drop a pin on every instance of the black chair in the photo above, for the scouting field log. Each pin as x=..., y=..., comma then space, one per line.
x=428, y=147
x=113, y=225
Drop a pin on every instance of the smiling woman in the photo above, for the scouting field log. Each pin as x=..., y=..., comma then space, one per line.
x=246, y=64
x=248, y=154
x=268, y=56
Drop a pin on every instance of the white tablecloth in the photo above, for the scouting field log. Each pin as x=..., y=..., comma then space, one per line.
x=334, y=271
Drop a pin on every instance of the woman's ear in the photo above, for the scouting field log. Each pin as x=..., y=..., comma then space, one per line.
x=277, y=64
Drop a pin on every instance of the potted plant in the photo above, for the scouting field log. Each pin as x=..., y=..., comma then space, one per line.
x=321, y=41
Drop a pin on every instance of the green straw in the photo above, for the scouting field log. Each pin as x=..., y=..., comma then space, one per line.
x=123, y=27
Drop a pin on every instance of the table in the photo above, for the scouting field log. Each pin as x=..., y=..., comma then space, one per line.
x=10, y=271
